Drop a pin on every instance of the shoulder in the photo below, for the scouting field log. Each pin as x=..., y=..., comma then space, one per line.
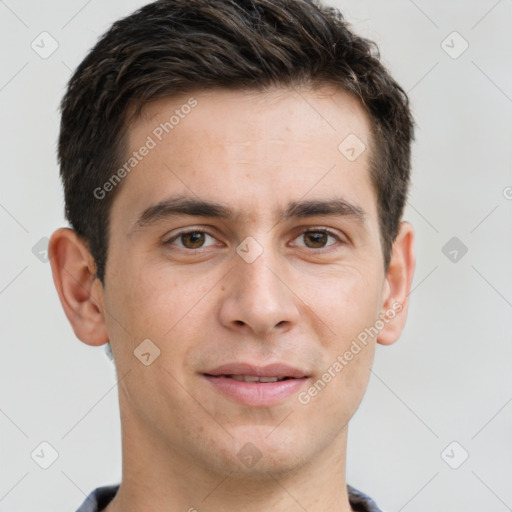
x=99, y=498
x=360, y=502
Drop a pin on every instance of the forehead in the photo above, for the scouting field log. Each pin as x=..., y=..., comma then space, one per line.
x=249, y=148
x=235, y=115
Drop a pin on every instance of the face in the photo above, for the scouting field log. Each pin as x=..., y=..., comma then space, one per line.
x=275, y=277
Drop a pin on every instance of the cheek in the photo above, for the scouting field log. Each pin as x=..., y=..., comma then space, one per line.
x=155, y=306
x=345, y=300
x=335, y=394
x=348, y=306
x=152, y=301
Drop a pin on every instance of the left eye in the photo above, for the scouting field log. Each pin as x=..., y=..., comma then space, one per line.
x=317, y=238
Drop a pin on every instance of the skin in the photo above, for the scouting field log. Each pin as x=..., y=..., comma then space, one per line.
x=301, y=302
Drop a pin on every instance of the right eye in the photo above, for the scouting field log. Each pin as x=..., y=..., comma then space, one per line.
x=190, y=240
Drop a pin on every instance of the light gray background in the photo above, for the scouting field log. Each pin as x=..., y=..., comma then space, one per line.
x=447, y=379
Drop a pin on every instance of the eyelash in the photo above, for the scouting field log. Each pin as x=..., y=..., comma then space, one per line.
x=308, y=230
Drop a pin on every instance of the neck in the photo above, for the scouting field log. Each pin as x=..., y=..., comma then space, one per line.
x=158, y=478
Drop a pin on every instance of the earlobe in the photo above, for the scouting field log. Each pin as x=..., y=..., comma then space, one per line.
x=80, y=292
x=397, y=286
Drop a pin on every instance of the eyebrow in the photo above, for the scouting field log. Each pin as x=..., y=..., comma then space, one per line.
x=182, y=205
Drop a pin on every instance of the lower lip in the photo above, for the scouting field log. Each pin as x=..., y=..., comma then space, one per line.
x=256, y=394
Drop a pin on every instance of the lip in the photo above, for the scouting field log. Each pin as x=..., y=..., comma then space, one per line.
x=279, y=370
x=256, y=394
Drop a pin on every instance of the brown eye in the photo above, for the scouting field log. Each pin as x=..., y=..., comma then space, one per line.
x=317, y=239
x=190, y=239
x=193, y=240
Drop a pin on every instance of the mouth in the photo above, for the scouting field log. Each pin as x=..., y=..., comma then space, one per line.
x=257, y=386
x=250, y=378
x=278, y=371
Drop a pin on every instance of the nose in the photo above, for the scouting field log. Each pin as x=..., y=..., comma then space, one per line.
x=257, y=297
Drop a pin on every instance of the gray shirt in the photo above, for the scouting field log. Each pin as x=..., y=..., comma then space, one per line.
x=102, y=496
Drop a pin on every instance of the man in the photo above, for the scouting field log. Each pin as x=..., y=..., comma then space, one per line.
x=235, y=174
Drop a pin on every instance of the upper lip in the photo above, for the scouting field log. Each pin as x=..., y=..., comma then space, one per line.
x=279, y=370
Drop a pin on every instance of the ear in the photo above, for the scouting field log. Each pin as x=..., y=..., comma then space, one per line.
x=397, y=286
x=80, y=291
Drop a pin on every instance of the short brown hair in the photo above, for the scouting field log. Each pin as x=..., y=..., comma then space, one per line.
x=175, y=46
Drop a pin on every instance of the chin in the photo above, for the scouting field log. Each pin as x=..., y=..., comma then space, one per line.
x=256, y=451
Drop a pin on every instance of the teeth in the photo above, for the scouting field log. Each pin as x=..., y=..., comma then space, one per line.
x=245, y=378
x=254, y=378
